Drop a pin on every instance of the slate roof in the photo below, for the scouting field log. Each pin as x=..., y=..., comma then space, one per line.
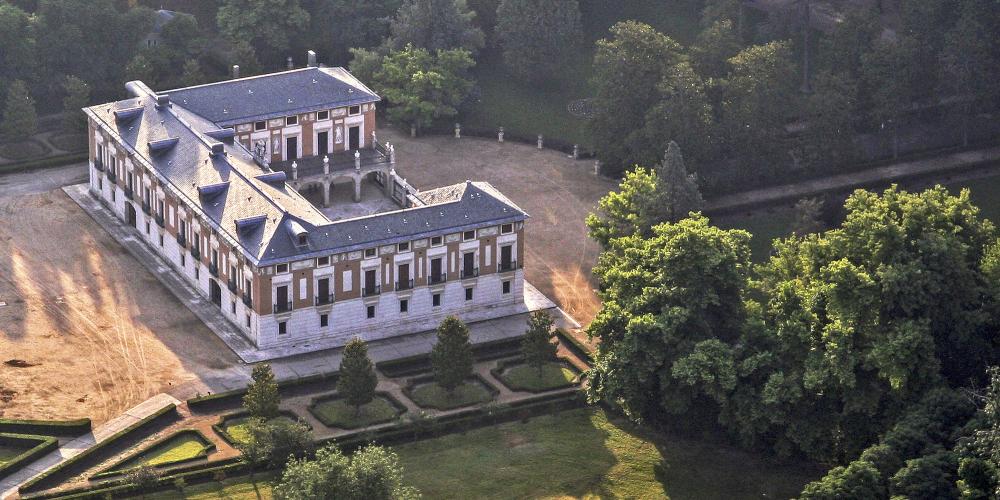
x=273, y=95
x=260, y=213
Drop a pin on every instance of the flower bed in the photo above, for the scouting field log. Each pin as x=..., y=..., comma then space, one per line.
x=428, y=394
x=519, y=376
x=183, y=446
x=233, y=427
x=18, y=450
x=333, y=411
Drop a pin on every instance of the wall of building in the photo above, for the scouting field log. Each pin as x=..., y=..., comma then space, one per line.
x=306, y=129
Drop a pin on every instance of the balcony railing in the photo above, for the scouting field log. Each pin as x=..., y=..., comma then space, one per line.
x=146, y=208
x=181, y=240
x=248, y=301
x=507, y=266
x=404, y=285
x=195, y=252
x=98, y=165
x=371, y=291
x=159, y=219
x=214, y=269
x=323, y=300
x=437, y=278
x=282, y=307
x=470, y=273
x=112, y=176
x=232, y=285
x=128, y=192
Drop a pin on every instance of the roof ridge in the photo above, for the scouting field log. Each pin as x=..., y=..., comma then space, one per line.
x=222, y=82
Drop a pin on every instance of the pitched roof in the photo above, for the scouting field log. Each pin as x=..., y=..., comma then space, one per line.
x=253, y=209
x=255, y=98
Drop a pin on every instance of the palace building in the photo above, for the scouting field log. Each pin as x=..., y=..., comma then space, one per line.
x=214, y=178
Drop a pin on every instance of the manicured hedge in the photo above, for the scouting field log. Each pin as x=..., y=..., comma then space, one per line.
x=428, y=379
x=420, y=363
x=53, y=161
x=72, y=466
x=234, y=398
x=115, y=469
x=220, y=427
x=507, y=363
x=400, y=409
x=38, y=446
x=61, y=428
x=581, y=350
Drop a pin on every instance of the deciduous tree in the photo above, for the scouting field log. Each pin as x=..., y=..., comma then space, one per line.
x=266, y=25
x=538, y=36
x=19, y=118
x=77, y=97
x=435, y=25
x=373, y=472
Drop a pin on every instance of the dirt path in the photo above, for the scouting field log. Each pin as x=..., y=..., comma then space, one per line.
x=556, y=191
x=94, y=332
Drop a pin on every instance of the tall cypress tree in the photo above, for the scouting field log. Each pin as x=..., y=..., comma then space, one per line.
x=537, y=347
x=262, y=397
x=357, y=379
x=451, y=357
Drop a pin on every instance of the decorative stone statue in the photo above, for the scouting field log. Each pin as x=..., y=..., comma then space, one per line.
x=357, y=160
x=539, y=141
x=500, y=135
x=458, y=130
x=576, y=151
x=326, y=165
x=295, y=171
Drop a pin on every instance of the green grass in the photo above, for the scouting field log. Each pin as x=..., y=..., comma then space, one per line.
x=554, y=375
x=574, y=454
x=18, y=151
x=528, y=109
x=181, y=447
x=337, y=413
x=9, y=452
x=431, y=395
x=237, y=427
x=765, y=225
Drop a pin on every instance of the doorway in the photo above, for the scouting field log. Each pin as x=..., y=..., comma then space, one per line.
x=321, y=143
x=292, y=148
x=130, y=214
x=354, y=137
x=371, y=283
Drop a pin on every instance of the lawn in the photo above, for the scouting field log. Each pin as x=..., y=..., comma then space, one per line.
x=237, y=427
x=574, y=454
x=765, y=225
x=521, y=377
x=337, y=413
x=9, y=452
x=183, y=446
x=529, y=110
x=431, y=395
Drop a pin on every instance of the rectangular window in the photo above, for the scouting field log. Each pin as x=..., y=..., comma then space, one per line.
x=354, y=110
x=468, y=294
x=232, y=307
x=282, y=328
x=404, y=305
x=436, y=241
x=260, y=125
x=506, y=228
x=436, y=300
x=370, y=312
x=403, y=247
x=281, y=268
x=248, y=321
x=161, y=240
x=323, y=115
x=371, y=252
x=183, y=263
x=147, y=226
x=324, y=320
x=291, y=120
x=323, y=261
x=506, y=287
x=469, y=235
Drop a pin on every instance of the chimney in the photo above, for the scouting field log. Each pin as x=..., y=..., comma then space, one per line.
x=236, y=71
x=291, y=65
x=162, y=100
x=311, y=56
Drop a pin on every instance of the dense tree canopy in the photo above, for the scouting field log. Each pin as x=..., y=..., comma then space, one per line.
x=538, y=36
x=435, y=25
x=451, y=357
x=267, y=25
x=19, y=118
x=370, y=473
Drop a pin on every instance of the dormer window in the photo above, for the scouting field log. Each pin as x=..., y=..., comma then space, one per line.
x=260, y=126
x=302, y=240
x=323, y=115
x=354, y=110
x=291, y=120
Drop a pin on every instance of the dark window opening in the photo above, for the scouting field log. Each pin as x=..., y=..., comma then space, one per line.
x=260, y=125
x=324, y=320
x=292, y=120
x=468, y=294
x=469, y=235
x=371, y=312
x=506, y=287
x=404, y=305
x=323, y=115
x=436, y=300
x=354, y=110
x=282, y=328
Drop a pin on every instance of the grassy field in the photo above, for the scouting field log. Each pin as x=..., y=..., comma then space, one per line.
x=337, y=413
x=184, y=446
x=531, y=109
x=523, y=377
x=575, y=454
x=431, y=395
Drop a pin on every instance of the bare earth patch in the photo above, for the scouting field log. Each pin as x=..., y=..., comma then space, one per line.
x=556, y=191
x=89, y=332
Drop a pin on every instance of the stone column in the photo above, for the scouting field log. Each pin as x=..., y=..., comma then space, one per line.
x=326, y=194
x=357, y=189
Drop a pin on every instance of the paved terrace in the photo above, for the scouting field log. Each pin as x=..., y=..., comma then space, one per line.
x=340, y=166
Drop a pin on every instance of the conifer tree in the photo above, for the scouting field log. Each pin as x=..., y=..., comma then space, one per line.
x=357, y=375
x=77, y=97
x=451, y=357
x=537, y=347
x=262, y=397
x=677, y=190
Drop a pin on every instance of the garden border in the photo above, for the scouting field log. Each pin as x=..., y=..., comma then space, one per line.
x=579, y=349
x=423, y=379
x=419, y=364
x=400, y=409
x=232, y=399
x=206, y=450
x=44, y=445
x=60, y=428
x=70, y=463
x=220, y=427
x=52, y=161
x=507, y=363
